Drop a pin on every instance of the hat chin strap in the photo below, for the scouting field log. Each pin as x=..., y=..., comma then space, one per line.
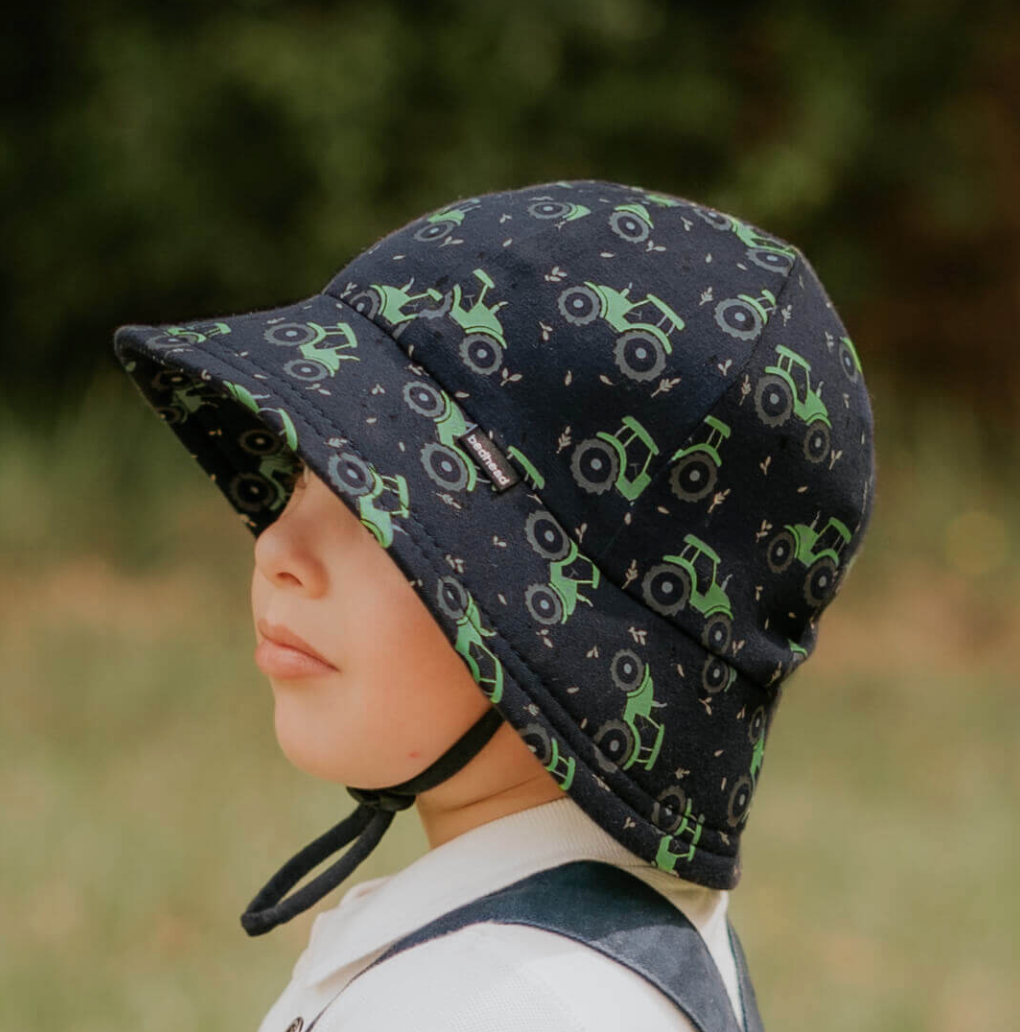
x=376, y=807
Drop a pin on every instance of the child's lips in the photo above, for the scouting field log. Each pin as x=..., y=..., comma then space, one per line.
x=283, y=661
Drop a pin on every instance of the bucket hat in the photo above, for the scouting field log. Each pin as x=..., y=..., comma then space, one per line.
x=618, y=441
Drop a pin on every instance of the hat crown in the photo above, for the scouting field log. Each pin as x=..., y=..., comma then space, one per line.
x=662, y=367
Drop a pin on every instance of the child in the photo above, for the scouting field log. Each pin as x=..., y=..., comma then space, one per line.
x=547, y=483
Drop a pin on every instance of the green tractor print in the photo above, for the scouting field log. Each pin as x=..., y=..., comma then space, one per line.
x=695, y=468
x=819, y=551
x=662, y=201
x=765, y=251
x=389, y=304
x=743, y=316
x=270, y=415
x=482, y=346
x=653, y=198
x=691, y=576
x=601, y=462
x=355, y=477
x=268, y=487
x=672, y=848
x=183, y=337
x=785, y=389
x=531, y=474
x=444, y=460
x=743, y=788
x=637, y=738
x=441, y=224
x=320, y=352
x=456, y=602
x=565, y=211
x=641, y=348
x=547, y=750
x=631, y=222
x=187, y=395
x=569, y=571
x=849, y=360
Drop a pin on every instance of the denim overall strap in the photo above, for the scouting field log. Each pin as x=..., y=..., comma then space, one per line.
x=748, y=1000
x=622, y=917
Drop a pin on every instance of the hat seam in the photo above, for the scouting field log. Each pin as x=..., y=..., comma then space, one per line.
x=560, y=728
x=666, y=465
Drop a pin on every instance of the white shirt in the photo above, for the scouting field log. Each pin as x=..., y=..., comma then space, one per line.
x=488, y=977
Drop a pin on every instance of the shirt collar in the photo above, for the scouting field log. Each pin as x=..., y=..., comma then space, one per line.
x=377, y=912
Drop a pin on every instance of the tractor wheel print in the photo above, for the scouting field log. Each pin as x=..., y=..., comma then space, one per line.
x=615, y=741
x=444, y=466
x=546, y=536
x=350, y=474
x=666, y=588
x=171, y=379
x=772, y=400
x=306, y=370
x=668, y=809
x=816, y=441
x=628, y=227
x=543, y=604
x=171, y=414
x=766, y=258
x=740, y=801
x=781, y=550
x=693, y=477
x=846, y=360
x=536, y=738
x=716, y=675
x=627, y=669
x=249, y=491
x=820, y=581
x=716, y=219
x=452, y=598
x=367, y=302
x=549, y=209
x=481, y=353
x=259, y=441
x=290, y=334
x=639, y=355
x=717, y=633
x=174, y=340
x=595, y=465
x=435, y=230
x=579, y=305
x=424, y=399
x=738, y=318
x=756, y=726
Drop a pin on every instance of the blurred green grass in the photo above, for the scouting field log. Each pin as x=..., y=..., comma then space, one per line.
x=146, y=799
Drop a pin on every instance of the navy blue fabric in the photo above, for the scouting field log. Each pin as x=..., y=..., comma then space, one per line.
x=693, y=436
x=620, y=916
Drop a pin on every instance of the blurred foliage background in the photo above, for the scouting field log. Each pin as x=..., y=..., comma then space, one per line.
x=161, y=162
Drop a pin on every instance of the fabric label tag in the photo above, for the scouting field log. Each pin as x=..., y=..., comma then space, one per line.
x=495, y=465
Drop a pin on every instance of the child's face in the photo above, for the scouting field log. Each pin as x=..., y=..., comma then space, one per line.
x=397, y=694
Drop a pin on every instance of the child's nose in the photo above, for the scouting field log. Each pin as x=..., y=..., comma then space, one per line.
x=286, y=560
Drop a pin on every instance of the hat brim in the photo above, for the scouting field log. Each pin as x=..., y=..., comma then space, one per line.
x=247, y=394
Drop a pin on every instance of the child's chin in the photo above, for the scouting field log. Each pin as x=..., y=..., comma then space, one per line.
x=307, y=743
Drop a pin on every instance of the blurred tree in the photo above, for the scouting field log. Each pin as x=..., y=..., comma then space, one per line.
x=170, y=160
